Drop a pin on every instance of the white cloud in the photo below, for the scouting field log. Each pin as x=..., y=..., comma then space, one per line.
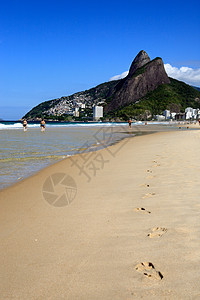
x=186, y=74
x=121, y=76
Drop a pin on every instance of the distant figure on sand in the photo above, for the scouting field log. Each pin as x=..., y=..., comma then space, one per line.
x=199, y=121
x=42, y=125
x=129, y=122
x=25, y=125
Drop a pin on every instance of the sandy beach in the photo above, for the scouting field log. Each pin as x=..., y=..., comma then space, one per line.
x=122, y=223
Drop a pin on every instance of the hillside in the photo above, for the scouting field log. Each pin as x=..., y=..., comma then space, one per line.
x=63, y=105
x=144, y=92
x=175, y=96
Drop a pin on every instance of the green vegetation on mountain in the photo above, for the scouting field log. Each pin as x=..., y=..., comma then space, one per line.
x=98, y=93
x=38, y=111
x=175, y=96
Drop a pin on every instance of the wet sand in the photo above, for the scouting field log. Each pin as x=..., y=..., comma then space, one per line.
x=126, y=228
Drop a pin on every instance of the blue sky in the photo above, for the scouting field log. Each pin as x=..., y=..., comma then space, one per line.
x=50, y=49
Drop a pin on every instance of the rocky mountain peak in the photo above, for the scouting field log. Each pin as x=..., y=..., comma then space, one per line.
x=145, y=75
x=140, y=60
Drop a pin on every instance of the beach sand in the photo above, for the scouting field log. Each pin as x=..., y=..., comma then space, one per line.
x=131, y=231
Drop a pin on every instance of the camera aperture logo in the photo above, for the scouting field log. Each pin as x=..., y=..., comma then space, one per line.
x=59, y=189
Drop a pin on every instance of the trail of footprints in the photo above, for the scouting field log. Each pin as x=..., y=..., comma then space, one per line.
x=147, y=268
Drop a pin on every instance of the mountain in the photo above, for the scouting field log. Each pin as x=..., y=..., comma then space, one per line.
x=146, y=90
x=175, y=96
x=144, y=76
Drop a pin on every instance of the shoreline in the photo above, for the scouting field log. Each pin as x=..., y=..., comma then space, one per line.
x=139, y=207
x=120, y=132
x=136, y=130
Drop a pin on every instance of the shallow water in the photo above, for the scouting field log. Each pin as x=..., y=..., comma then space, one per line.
x=24, y=153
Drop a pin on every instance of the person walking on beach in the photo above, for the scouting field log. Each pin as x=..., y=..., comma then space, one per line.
x=129, y=122
x=42, y=125
x=25, y=125
x=199, y=121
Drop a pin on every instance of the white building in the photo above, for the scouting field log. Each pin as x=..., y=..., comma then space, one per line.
x=76, y=112
x=194, y=113
x=97, y=112
x=191, y=113
x=173, y=115
x=166, y=114
x=188, y=113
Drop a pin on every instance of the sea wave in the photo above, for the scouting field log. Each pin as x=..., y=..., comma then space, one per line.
x=20, y=126
x=15, y=126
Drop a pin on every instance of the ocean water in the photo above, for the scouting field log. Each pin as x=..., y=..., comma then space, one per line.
x=24, y=153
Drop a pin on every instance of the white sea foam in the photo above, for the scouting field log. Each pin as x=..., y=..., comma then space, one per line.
x=20, y=126
x=100, y=124
x=15, y=126
x=11, y=126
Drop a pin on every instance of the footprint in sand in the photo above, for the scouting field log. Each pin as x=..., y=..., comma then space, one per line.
x=144, y=185
x=157, y=232
x=149, y=171
x=142, y=210
x=148, y=270
x=148, y=195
